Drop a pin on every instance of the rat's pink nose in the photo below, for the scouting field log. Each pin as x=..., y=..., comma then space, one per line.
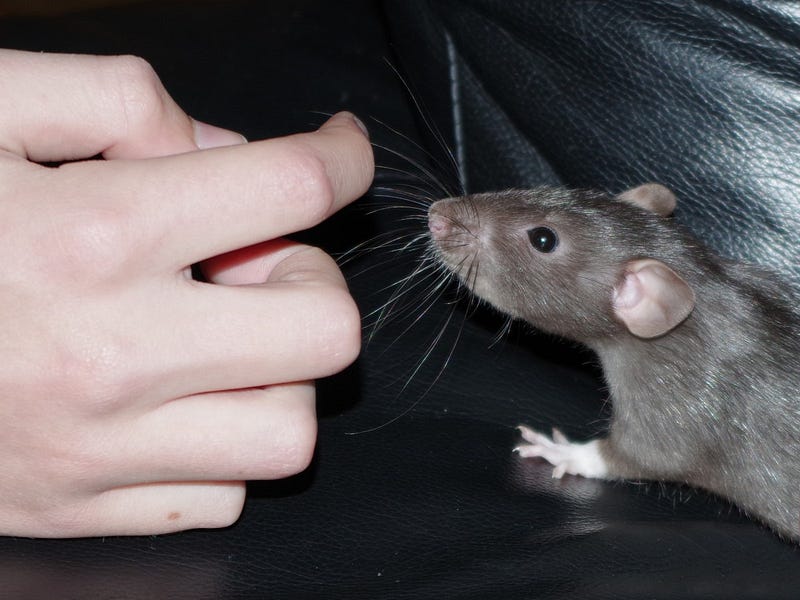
x=438, y=225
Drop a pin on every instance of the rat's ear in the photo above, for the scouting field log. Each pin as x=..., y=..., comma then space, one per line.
x=651, y=299
x=651, y=196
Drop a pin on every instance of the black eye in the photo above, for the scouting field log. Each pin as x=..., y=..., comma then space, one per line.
x=543, y=239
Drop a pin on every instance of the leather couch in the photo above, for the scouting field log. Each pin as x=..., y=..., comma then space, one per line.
x=414, y=491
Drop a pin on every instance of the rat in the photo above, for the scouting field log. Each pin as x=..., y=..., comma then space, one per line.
x=699, y=353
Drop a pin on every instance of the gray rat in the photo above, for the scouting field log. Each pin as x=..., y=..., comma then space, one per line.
x=699, y=353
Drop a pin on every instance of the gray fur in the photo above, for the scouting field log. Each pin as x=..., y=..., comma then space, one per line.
x=715, y=402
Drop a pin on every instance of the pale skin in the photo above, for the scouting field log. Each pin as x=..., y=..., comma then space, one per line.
x=134, y=399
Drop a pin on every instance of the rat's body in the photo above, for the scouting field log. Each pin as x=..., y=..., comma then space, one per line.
x=700, y=354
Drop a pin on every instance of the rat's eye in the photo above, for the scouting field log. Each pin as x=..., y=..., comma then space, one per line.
x=543, y=239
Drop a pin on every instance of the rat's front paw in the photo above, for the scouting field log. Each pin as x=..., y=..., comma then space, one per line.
x=565, y=456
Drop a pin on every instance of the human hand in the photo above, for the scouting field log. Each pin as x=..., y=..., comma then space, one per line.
x=134, y=399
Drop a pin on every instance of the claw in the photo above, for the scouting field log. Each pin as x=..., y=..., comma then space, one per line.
x=558, y=437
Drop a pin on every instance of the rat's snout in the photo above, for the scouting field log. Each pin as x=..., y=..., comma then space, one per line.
x=438, y=224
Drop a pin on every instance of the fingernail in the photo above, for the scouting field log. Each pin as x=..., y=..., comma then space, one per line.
x=211, y=136
x=345, y=114
x=361, y=125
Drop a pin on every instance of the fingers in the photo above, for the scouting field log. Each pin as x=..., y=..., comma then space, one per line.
x=147, y=363
x=184, y=337
x=284, y=185
x=168, y=507
x=178, y=467
x=255, y=434
x=193, y=206
x=137, y=509
x=301, y=324
x=182, y=466
x=247, y=266
x=159, y=508
x=56, y=107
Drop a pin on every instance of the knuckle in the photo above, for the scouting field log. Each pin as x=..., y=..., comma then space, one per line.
x=297, y=442
x=221, y=507
x=91, y=375
x=313, y=183
x=92, y=242
x=340, y=339
x=75, y=460
x=135, y=68
x=140, y=90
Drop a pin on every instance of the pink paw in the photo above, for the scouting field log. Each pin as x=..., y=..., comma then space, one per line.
x=565, y=456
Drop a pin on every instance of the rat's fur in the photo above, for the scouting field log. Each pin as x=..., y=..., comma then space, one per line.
x=714, y=402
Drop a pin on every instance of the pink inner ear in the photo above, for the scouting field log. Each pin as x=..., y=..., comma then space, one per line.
x=629, y=293
x=652, y=299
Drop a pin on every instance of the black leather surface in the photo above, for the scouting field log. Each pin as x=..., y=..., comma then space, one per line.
x=433, y=504
x=700, y=96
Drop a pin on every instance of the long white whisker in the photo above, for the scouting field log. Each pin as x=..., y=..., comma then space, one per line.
x=426, y=355
x=437, y=134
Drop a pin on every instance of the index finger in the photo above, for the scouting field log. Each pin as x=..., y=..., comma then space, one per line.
x=197, y=205
x=56, y=107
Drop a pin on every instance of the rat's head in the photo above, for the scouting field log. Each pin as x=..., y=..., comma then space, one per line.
x=580, y=264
